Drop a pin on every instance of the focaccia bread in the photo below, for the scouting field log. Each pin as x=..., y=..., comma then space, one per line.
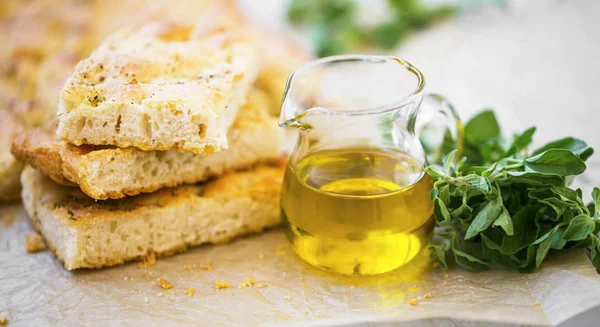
x=84, y=233
x=111, y=172
x=163, y=86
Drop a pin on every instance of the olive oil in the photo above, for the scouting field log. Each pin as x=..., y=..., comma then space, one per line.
x=357, y=211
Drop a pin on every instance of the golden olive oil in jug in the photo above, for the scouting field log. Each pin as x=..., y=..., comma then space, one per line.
x=357, y=210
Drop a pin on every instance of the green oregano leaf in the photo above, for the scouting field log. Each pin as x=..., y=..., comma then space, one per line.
x=556, y=161
x=579, y=228
x=484, y=218
x=505, y=222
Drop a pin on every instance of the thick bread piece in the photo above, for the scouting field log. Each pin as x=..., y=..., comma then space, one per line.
x=164, y=86
x=114, y=173
x=84, y=233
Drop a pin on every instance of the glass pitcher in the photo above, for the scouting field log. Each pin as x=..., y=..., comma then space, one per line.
x=355, y=197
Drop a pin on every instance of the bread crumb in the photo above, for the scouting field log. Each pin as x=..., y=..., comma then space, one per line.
x=125, y=278
x=150, y=278
x=413, y=302
x=352, y=287
x=249, y=281
x=537, y=303
x=261, y=256
x=221, y=284
x=206, y=266
x=164, y=284
x=159, y=294
x=305, y=312
x=10, y=218
x=146, y=300
x=446, y=276
x=34, y=243
x=189, y=267
x=144, y=274
x=261, y=285
x=427, y=296
x=287, y=298
x=148, y=261
x=3, y=319
x=190, y=291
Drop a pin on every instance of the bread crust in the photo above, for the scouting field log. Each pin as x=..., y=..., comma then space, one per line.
x=77, y=229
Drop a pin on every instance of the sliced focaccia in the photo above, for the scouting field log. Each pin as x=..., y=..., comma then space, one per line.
x=84, y=233
x=108, y=172
x=165, y=86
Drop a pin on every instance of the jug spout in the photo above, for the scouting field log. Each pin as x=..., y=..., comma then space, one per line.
x=295, y=122
x=291, y=113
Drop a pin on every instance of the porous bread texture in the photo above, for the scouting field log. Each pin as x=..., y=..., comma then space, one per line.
x=104, y=173
x=84, y=233
x=161, y=87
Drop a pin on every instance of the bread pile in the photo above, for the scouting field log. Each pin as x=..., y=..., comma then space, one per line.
x=163, y=139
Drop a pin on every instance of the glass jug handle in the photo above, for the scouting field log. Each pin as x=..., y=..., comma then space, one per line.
x=439, y=128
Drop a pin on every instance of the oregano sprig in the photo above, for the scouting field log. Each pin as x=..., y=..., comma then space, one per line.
x=502, y=205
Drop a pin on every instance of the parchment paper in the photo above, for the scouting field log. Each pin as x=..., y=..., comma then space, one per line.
x=36, y=290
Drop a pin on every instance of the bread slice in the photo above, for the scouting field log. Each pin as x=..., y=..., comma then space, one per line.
x=114, y=173
x=165, y=86
x=84, y=233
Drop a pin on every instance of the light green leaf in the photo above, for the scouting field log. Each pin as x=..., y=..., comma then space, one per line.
x=434, y=172
x=442, y=216
x=579, y=228
x=482, y=128
x=444, y=194
x=568, y=143
x=568, y=195
x=596, y=199
x=521, y=142
x=478, y=182
x=558, y=242
x=505, y=222
x=484, y=218
x=489, y=171
x=542, y=250
x=556, y=161
x=535, y=178
x=449, y=162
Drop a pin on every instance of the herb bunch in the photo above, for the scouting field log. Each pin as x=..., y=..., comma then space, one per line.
x=335, y=30
x=502, y=205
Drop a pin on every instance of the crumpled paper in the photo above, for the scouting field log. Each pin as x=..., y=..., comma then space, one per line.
x=36, y=290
